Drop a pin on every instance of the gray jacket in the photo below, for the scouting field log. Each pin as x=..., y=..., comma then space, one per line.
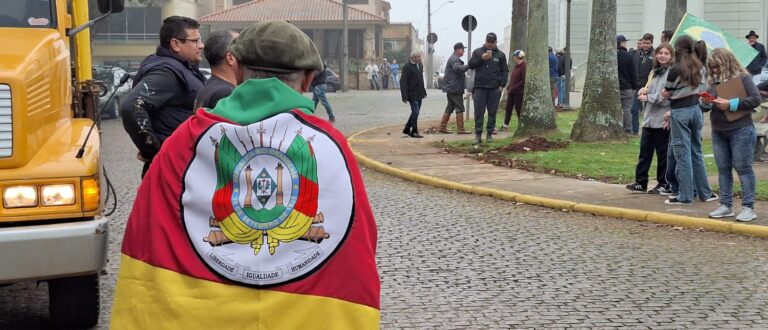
x=656, y=106
x=453, y=81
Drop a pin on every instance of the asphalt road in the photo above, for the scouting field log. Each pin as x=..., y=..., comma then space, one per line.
x=458, y=261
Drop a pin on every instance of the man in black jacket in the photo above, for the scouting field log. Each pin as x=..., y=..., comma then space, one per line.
x=627, y=81
x=453, y=86
x=756, y=66
x=643, y=61
x=165, y=88
x=413, y=92
x=490, y=65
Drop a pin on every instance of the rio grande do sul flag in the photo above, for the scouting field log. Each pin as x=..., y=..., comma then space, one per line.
x=265, y=226
x=699, y=29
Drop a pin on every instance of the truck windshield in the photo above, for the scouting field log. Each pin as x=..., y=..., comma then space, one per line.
x=27, y=14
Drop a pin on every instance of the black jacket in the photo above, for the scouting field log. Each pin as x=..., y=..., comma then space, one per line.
x=756, y=66
x=643, y=64
x=163, y=96
x=627, y=71
x=412, y=82
x=492, y=73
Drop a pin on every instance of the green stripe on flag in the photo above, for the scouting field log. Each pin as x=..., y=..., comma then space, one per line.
x=228, y=156
x=699, y=29
x=305, y=161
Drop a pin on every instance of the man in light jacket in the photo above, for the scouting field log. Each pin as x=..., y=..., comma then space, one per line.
x=453, y=87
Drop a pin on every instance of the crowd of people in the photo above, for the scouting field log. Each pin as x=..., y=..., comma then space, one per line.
x=380, y=75
x=675, y=85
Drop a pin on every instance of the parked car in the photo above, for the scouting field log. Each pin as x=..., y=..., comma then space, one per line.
x=110, y=77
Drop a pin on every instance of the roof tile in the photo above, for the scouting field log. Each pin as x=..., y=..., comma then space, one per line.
x=288, y=10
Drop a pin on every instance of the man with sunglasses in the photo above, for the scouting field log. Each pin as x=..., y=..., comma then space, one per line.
x=164, y=88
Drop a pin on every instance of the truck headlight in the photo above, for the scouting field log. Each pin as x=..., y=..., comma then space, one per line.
x=19, y=196
x=59, y=194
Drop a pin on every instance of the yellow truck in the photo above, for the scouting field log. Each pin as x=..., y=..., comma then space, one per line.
x=51, y=227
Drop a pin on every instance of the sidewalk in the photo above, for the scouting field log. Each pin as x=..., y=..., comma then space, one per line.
x=387, y=150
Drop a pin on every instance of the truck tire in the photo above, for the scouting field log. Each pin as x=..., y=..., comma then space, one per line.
x=74, y=301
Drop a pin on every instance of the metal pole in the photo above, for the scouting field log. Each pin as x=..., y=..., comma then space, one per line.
x=429, y=44
x=345, y=47
x=568, y=60
x=469, y=55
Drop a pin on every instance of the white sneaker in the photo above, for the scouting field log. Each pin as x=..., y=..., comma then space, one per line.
x=722, y=211
x=747, y=214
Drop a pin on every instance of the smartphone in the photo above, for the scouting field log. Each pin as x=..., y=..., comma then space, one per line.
x=707, y=96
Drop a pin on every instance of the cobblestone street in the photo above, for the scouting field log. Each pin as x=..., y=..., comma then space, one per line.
x=450, y=260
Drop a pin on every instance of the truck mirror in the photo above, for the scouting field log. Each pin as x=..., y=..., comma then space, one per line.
x=115, y=5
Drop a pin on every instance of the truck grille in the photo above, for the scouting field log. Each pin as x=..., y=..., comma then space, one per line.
x=6, y=122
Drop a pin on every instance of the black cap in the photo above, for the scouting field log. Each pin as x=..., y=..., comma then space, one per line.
x=490, y=36
x=458, y=45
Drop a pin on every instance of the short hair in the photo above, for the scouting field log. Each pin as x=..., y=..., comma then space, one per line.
x=292, y=79
x=648, y=36
x=175, y=27
x=216, y=46
x=414, y=54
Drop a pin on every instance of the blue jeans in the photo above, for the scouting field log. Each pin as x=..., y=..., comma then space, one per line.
x=411, y=125
x=318, y=95
x=396, y=79
x=561, y=90
x=734, y=150
x=486, y=99
x=686, y=144
x=635, y=115
x=671, y=166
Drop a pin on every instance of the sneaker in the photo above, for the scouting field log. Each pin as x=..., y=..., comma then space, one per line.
x=711, y=198
x=722, y=211
x=675, y=201
x=636, y=187
x=747, y=214
x=504, y=128
x=656, y=190
x=674, y=196
x=665, y=191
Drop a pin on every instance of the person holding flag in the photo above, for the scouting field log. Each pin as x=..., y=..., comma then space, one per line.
x=254, y=214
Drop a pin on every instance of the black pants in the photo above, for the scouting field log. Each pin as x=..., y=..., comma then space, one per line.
x=455, y=102
x=145, y=168
x=652, y=139
x=486, y=99
x=411, y=126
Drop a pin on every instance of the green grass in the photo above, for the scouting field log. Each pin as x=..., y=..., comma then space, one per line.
x=612, y=162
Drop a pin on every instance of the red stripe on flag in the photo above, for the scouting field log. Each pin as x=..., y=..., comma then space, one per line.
x=222, y=202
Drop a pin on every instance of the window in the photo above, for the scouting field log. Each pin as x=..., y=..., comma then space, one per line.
x=27, y=14
x=134, y=23
x=239, y=2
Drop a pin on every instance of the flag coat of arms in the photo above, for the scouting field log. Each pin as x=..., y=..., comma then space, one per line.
x=251, y=219
x=700, y=29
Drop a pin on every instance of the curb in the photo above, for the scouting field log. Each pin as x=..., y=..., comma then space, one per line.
x=563, y=205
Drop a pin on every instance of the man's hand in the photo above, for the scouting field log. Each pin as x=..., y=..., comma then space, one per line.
x=722, y=103
x=486, y=56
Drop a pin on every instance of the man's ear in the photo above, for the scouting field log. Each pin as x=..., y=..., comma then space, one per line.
x=309, y=75
x=175, y=47
x=230, y=59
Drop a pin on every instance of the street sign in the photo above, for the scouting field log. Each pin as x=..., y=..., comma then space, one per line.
x=432, y=38
x=469, y=23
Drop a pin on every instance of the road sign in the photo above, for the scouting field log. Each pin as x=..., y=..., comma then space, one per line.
x=432, y=38
x=469, y=23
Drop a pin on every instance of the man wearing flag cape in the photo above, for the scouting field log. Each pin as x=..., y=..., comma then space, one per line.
x=254, y=213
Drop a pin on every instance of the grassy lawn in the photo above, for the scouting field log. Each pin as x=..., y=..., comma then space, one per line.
x=612, y=162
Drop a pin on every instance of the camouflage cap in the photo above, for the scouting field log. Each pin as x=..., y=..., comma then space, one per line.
x=275, y=46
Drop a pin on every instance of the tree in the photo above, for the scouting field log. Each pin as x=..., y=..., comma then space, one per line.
x=600, y=117
x=538, y=115
x=519, y=28
x=675, y=11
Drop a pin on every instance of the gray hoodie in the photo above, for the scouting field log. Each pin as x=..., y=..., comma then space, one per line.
x=656, y=106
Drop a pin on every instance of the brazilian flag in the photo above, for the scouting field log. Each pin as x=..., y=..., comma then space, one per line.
x=699, y=29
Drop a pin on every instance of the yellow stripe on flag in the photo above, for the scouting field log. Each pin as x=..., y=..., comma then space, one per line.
x=149, y=297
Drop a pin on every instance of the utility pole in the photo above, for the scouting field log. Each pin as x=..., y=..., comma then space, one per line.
x=345, y=46
x=429, y=45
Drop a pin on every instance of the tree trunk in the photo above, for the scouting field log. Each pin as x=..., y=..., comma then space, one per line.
x=538, y=115
x=675, y=11
x=601, y=116
x=519, y=28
